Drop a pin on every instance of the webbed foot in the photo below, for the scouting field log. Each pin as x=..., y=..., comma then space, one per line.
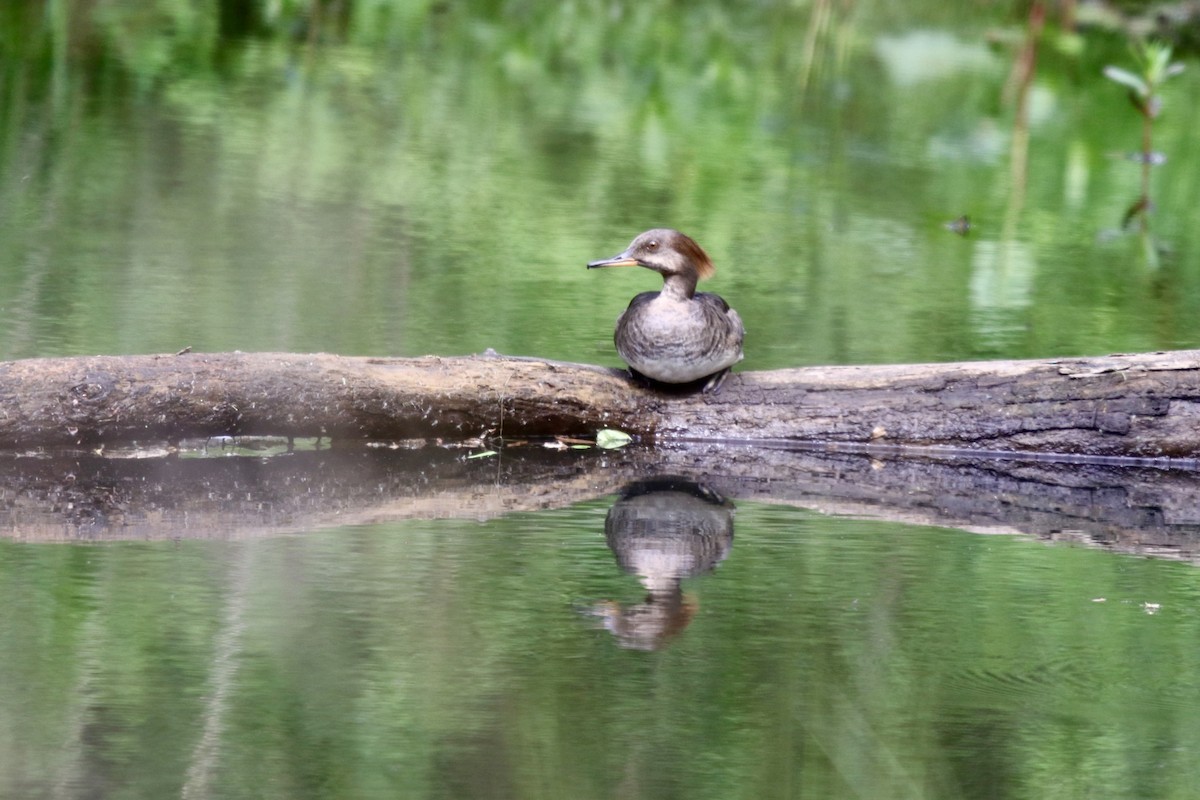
x=716, y=381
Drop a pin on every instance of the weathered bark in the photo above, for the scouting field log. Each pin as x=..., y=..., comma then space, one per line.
x=89, y=497
x=1145, y=405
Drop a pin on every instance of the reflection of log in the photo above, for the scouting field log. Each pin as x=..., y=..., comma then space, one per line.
x=1135, y=405
x=88, y=497
x=91, y=497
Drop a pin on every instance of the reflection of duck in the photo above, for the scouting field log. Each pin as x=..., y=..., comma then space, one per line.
x=663, y=530
x=676, y=335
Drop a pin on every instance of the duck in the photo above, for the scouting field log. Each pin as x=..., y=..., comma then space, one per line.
x=676, y=335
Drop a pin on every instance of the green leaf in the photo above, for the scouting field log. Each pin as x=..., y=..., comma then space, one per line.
x=1126, y=78
x=1157, y=59
x=483, y=454
x=611, y=439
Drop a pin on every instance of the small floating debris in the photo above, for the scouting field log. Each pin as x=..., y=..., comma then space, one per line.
x=1153, y=158
x=961, y=226
x=1151, y=608
x=573, y=442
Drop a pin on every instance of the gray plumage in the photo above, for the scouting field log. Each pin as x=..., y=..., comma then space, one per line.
x=676, y=335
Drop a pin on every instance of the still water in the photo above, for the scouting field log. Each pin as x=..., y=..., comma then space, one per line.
x=821, y=657
x=408, y=178
x=432, y=179
x=816, y=656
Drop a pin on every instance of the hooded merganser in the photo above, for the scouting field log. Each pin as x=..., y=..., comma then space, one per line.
x=676, y=335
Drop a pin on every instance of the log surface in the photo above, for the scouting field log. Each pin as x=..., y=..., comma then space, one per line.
x=1141, y=405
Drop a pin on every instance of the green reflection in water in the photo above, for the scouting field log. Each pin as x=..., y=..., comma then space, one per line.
x=827, y=657
x=413, y=178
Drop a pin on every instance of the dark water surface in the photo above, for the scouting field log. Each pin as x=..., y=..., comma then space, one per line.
x=410, y=178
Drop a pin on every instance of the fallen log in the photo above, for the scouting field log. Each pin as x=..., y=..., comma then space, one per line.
x=1141, y=405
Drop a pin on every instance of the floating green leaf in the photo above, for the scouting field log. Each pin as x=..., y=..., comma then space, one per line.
x=610, y=439
x=482, y=454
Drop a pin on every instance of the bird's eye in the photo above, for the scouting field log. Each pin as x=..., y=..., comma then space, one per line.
x=652, y=245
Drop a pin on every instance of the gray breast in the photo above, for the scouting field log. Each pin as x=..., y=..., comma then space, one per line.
x=679, y=341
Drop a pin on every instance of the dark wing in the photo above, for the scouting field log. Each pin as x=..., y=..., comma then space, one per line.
x=642, y=299
x=710, y=299
x=724, y=322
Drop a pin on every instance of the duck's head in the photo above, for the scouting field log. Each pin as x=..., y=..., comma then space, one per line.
x=667, y=252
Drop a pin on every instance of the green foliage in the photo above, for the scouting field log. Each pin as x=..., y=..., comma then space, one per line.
x=1156, y=65
x=1145, y=93
x=1128, y=79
